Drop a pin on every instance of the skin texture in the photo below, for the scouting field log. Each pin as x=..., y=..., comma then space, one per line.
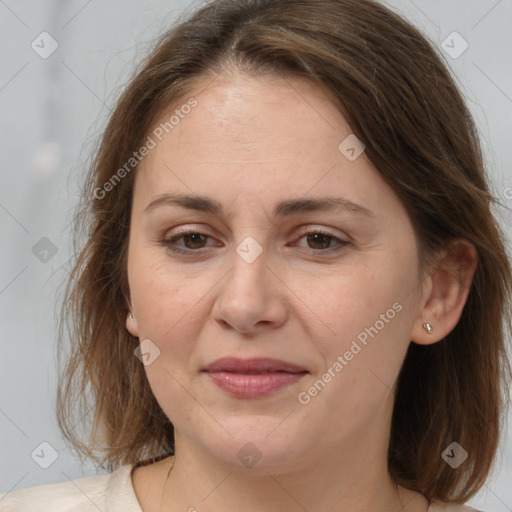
x=249, y=143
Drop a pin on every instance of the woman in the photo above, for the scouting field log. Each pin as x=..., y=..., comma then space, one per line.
x=292, y=292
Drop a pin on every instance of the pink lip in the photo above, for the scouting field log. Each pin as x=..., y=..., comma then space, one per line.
x=253, y=378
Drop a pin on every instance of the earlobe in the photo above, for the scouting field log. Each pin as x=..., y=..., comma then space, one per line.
x=131, y=324
x=447, y=293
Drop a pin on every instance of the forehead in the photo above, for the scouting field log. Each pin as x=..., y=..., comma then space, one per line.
x=256, y=115
x=253, y=137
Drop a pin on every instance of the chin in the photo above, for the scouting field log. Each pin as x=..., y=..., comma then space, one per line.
x=255, y=446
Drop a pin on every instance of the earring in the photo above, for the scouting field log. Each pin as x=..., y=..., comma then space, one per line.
x=428, y=327
x=131, y=316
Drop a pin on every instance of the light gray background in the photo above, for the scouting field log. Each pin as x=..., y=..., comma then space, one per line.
x=51, y=108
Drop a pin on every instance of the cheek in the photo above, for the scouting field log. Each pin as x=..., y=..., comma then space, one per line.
x=165, y=302
x=362, y=359
x=168, y=305
x=349, y=303
x=369, y=312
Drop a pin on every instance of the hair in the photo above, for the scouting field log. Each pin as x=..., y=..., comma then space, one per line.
x=399, y=98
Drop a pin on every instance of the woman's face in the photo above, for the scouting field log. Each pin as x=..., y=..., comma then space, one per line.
x=304, y=256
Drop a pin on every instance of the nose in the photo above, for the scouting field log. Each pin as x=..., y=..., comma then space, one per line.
x=251, y=298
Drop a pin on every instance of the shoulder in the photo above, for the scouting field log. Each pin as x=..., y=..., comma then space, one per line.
x=103, y=492
x=437, y=506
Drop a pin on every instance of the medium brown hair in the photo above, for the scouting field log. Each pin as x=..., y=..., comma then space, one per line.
x=400, y=100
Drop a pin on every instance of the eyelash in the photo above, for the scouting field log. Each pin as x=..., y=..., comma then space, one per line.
x=168, y=243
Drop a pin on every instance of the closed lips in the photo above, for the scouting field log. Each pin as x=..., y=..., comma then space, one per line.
x=253, y=378
x=253, y=366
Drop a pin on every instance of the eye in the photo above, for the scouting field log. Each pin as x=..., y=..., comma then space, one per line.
x=192, y=239
x=319, y=239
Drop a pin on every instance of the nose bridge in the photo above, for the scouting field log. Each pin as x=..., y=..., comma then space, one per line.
x=248, y=296
x=250, y=250
x=249, y=266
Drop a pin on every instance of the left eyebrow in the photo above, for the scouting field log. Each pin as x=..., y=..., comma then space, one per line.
x=281, y=209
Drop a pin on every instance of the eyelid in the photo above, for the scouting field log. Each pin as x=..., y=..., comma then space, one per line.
x=312, y=228
x=199, y=227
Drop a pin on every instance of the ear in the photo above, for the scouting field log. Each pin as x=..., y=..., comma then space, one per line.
x=445, y=292
x=131, y=324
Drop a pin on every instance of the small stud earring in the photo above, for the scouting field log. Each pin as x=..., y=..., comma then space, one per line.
x=428, y=327
x=131, y=316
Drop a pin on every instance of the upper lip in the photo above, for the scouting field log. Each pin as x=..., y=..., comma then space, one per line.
x=254, y=365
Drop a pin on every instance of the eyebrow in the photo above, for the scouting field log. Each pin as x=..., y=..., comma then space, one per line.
x=281, y=209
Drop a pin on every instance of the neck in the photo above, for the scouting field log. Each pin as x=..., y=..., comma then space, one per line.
x=352, y=477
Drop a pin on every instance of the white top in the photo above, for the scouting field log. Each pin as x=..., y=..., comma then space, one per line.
x=109, y=493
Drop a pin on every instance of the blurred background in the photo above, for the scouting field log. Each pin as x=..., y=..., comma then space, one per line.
x=62, y=65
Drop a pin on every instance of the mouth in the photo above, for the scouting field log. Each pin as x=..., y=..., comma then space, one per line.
x=253, y=378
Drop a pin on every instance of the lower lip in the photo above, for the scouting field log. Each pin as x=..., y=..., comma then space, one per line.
x=243, y=385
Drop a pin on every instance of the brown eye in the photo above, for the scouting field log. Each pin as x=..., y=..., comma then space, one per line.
x=192, y=242
x=319, y=241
